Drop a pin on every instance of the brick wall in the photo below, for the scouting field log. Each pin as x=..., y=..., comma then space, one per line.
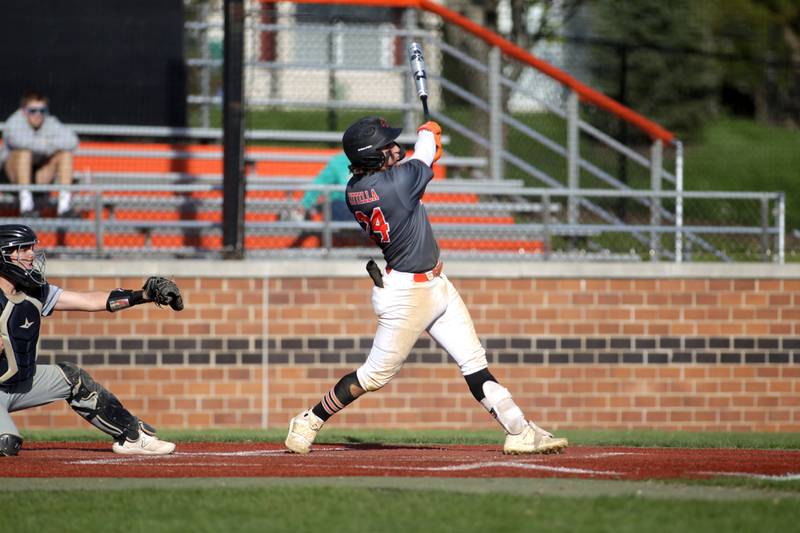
x=600, y=346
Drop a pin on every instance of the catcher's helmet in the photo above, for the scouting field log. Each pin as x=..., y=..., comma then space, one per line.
x=364, y=142
x=13, y=237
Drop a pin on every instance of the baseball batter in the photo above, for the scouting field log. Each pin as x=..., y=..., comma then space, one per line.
x=26, y=297
x=413, y=294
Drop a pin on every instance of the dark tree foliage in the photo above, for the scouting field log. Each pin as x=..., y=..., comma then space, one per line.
x=650, y=42
x=758, y=42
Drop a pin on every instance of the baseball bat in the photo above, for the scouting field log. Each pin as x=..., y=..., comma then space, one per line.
x=417, y=62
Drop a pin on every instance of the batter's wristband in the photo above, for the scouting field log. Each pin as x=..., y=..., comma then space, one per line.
x=120, y=299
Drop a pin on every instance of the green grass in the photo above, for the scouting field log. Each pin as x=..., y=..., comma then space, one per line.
x=638, y=438
x=742, y=155
x=370, y=509
x=767, y=485
x=409, y=504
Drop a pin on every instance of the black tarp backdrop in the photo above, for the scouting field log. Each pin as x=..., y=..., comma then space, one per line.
x=99, y=61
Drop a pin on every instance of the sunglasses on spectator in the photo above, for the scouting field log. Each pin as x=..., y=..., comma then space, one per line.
x=34, y=110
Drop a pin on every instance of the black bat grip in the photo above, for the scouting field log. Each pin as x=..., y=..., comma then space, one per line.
x=375, y=273
x=424, y=100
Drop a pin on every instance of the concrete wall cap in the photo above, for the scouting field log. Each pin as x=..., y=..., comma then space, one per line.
x=310, y=268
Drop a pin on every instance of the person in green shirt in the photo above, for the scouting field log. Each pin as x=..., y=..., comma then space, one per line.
x=336, y=172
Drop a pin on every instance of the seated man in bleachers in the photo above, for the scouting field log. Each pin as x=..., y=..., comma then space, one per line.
x=37, y=146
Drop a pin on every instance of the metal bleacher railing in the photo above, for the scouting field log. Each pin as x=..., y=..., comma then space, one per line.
x=507, y=221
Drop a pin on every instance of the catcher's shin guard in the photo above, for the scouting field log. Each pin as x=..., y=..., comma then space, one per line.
x=9, y=444
x=97, y=405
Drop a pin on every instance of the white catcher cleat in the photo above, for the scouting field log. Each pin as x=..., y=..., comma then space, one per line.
x=533, y=439
x=146, y=444
x=302, y=431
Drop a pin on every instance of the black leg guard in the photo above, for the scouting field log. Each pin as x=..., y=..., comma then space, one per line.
x=337, y=398
x=98, y=406
x=475, y=382
x=9, y=445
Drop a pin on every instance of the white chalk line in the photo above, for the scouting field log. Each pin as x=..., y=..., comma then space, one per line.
x=780, y=477
x=603, y=455
x=135, y=459
x=498, y=464
x=177, y=455
x=248, y=453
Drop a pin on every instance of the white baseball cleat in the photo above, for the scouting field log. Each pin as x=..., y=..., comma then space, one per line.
x=533, y=439
x=146, y=444
x=302, y=431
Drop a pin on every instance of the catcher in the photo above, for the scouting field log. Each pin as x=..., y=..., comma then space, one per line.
x=26, y=297
x=413, y=294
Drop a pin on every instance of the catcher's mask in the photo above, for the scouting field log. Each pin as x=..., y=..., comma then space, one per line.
x=17, y=238
x=364, y=142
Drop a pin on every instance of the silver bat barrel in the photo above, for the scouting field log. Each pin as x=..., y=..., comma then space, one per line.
x=418, y=69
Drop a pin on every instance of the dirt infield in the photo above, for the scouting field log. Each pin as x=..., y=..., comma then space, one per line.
x=81, y=459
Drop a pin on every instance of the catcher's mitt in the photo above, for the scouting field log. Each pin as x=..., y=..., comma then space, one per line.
x=163, y=291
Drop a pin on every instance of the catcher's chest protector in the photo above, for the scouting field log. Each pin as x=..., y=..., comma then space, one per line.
x=20, y=321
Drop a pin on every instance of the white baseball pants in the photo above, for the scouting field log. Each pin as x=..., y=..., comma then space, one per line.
x=405, y=309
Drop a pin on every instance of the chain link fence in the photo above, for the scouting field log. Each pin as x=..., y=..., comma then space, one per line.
x=472, y=221
x=530, y=171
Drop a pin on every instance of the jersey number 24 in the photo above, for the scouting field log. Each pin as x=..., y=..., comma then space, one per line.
x=375, y=224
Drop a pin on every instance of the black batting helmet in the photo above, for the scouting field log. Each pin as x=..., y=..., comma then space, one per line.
x=364, y=142
x=13, y=237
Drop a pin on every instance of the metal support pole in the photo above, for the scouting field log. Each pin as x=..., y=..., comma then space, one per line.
x=99, y=229
x=495, y=115
x=573, y=156
x=327, y=231
x=678, y=201
x=548, y=240
x=205, y=70
x=781, y=223
x=656, y=162
x=233, y=132
x=409, y=92
x=332, y=66
x=765, y=228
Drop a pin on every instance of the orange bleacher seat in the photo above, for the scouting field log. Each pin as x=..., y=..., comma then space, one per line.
x=131, y=240
x=492, y=245
x=161, y=160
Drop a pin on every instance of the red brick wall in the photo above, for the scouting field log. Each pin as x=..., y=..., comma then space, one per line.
x=670, y=351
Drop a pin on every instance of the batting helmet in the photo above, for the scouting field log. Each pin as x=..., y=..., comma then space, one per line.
x=12, y=238
x=364, y=142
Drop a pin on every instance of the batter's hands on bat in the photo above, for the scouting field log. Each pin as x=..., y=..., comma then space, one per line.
x=163, y=291
x=436, y=129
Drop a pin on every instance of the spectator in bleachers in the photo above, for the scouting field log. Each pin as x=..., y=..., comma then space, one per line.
x=37, y=147
x=336, y=172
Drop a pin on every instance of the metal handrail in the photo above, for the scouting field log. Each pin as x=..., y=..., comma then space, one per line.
x=543, y=201
x=463, y=187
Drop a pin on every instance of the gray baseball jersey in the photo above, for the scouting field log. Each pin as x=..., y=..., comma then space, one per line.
x=388, y=207
x=50, y=138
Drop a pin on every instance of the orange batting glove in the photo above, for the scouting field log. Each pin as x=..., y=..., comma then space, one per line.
x=436, y=129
